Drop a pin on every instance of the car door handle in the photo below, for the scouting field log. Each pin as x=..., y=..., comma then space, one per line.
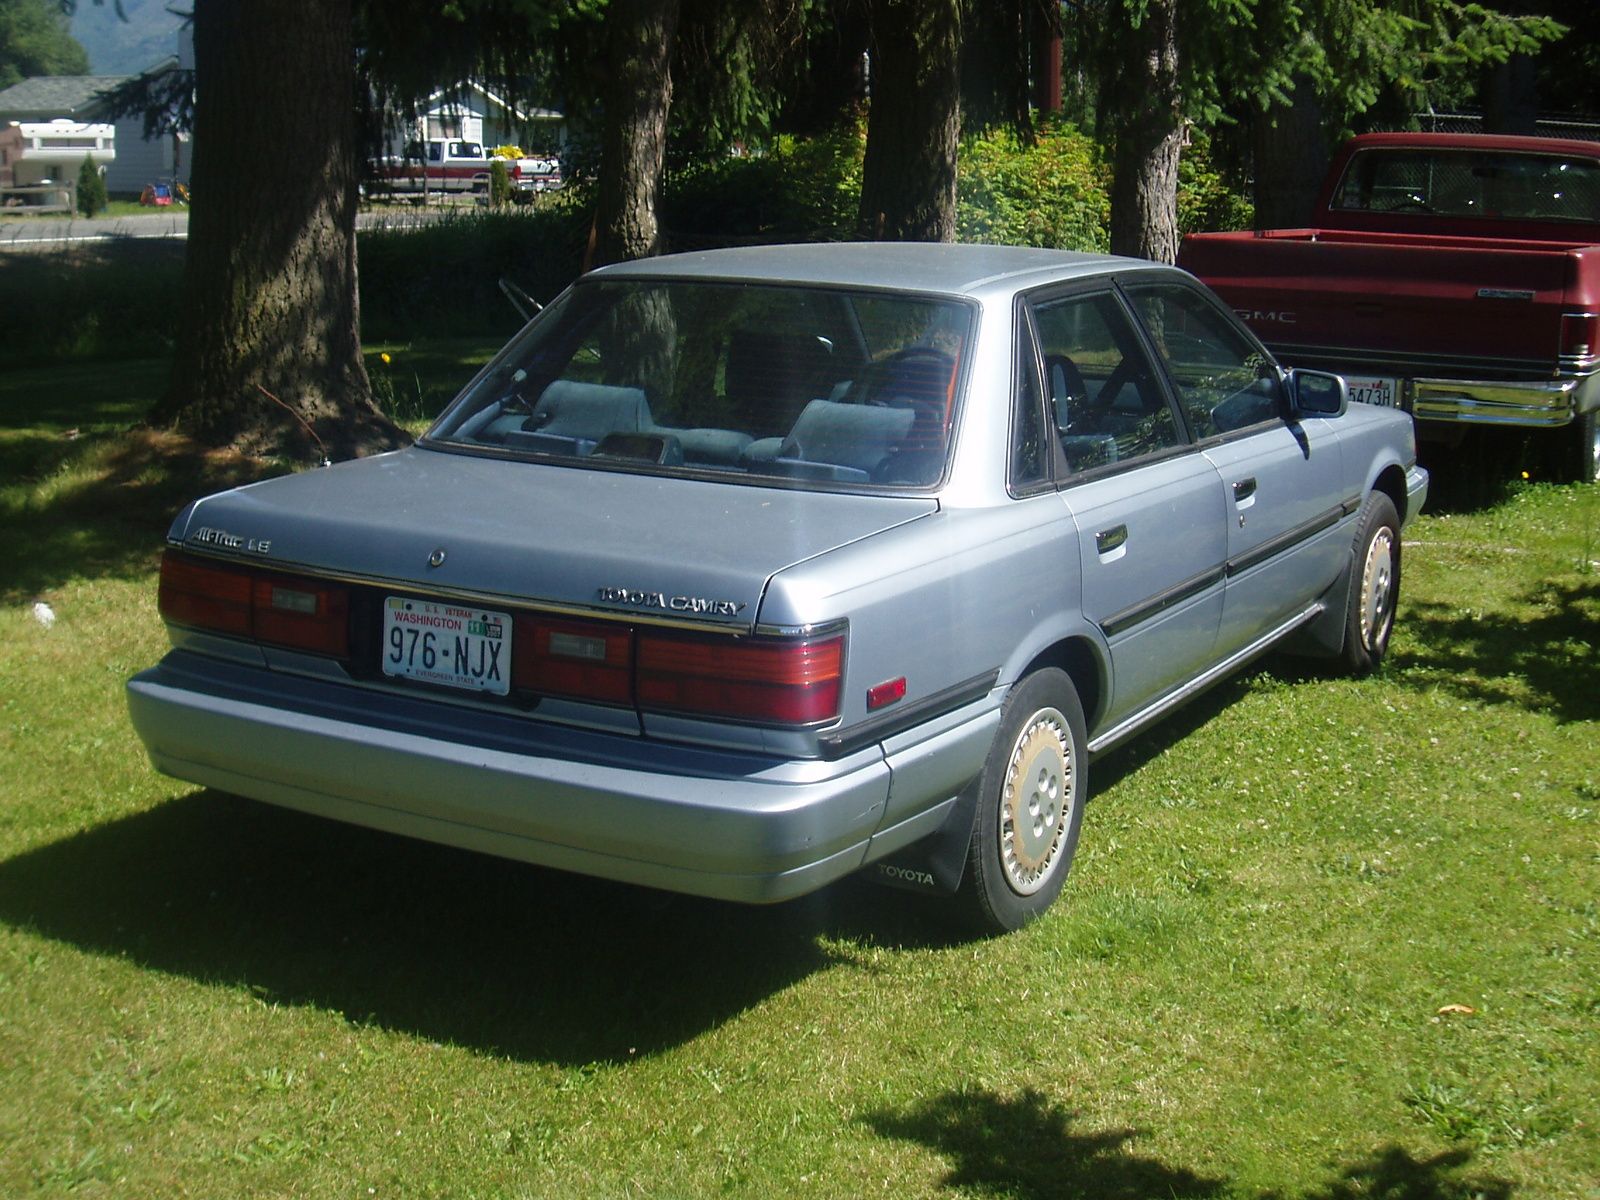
x=1243, y=489
x=1111, y=539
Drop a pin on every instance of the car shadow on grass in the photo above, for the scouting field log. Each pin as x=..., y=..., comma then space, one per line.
x=448, y=945
x=1545, y=662
x=1030, y=1148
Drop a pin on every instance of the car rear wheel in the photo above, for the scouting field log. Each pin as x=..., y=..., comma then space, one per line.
x=1030, y=806
x=1374, y=585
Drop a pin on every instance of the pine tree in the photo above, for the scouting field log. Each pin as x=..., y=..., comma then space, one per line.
x=91, y=188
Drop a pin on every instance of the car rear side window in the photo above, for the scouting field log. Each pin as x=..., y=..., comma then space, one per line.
x=1099, y=385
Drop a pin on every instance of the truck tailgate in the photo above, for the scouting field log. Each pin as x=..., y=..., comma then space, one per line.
x=1410, y=300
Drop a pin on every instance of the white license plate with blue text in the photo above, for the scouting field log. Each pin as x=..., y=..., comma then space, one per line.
x=454, y=645
x=1373, y=389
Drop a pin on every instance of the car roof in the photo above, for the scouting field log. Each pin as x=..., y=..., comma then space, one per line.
x=954, y=269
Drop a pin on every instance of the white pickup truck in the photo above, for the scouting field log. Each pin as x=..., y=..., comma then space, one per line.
x=451, y=165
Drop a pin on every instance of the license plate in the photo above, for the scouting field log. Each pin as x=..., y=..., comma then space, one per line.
x=1373, y=390
x=449, y=644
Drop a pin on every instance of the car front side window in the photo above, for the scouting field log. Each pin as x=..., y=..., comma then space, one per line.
x=1224, y=380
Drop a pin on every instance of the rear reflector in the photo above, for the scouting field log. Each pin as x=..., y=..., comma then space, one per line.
x=889, y=692
x=789, y=681
x=584, y=660
x=284, y=610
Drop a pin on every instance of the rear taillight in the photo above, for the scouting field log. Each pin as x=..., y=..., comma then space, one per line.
x=283, y=610
x=765, y=680
x=204, y=595
x=302, y=613
x=584, y=660
x=791, y=681
x=1580, y=339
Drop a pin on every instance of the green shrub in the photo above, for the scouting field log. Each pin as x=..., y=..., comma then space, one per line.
x=1052, y=193
x=1055, y=192
x=115, y=300
x=499, y=183
x=442, y=279
x=1205, y=200
x=91, y=188
x=792, y=191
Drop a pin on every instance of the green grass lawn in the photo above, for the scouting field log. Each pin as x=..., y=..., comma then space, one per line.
x=1324, y=939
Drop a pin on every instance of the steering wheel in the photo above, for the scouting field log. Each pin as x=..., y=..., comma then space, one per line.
x=1410, y=202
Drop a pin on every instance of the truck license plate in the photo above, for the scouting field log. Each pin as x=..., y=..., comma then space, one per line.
x=450, y=644
x=1371, y=389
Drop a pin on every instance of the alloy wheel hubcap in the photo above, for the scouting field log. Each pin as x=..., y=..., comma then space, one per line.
x=1377, y=589
x=1037, y=802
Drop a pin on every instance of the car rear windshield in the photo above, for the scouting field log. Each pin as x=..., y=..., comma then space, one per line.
x=766, y=382
x=1472, y=183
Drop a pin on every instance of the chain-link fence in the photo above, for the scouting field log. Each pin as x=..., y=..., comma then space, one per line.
x=1551, y=127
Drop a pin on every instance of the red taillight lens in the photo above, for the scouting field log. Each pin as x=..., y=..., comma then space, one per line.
x=791, y=682
x=205, y=595
x=585, y=660
x=302, y=613
x=285, y=610
x=1580, y=338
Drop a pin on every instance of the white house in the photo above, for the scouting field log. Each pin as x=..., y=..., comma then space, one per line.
x=160, y=159
x=472, y=112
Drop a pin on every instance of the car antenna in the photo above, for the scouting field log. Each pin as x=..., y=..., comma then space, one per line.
x=520, y=300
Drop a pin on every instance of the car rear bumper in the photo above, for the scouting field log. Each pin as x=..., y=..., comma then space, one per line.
x=735, y=826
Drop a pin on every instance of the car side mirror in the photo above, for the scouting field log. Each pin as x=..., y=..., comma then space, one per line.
x=1318, y=393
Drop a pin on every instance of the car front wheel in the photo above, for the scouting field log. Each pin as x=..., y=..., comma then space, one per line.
x=1030, y=806
x=1374, y=585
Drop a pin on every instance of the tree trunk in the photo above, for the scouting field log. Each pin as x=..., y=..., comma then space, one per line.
x=1291, y=157
x=1149, y=135
x=269, y=301
x=908, y=181
x=633, y=140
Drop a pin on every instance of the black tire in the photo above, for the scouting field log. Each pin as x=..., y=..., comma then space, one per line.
x=1014, y=874
x=1374, y=586
x=1574, y=450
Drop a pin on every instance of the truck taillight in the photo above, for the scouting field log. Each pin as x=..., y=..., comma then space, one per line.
x=1580, y=339
x=786, y=681
x=282, y=610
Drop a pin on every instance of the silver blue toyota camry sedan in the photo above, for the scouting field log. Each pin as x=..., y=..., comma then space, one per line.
x=738, y=572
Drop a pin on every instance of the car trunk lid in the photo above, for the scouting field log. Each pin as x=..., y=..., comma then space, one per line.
x=651, y=546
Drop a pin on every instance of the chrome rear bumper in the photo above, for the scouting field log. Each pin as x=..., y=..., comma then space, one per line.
x=1538, y=404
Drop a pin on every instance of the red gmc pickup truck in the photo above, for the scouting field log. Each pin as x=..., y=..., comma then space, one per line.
x=1454, y=275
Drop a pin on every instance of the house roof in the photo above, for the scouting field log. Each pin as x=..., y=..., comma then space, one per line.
x=49, y=96
x=451, y=97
